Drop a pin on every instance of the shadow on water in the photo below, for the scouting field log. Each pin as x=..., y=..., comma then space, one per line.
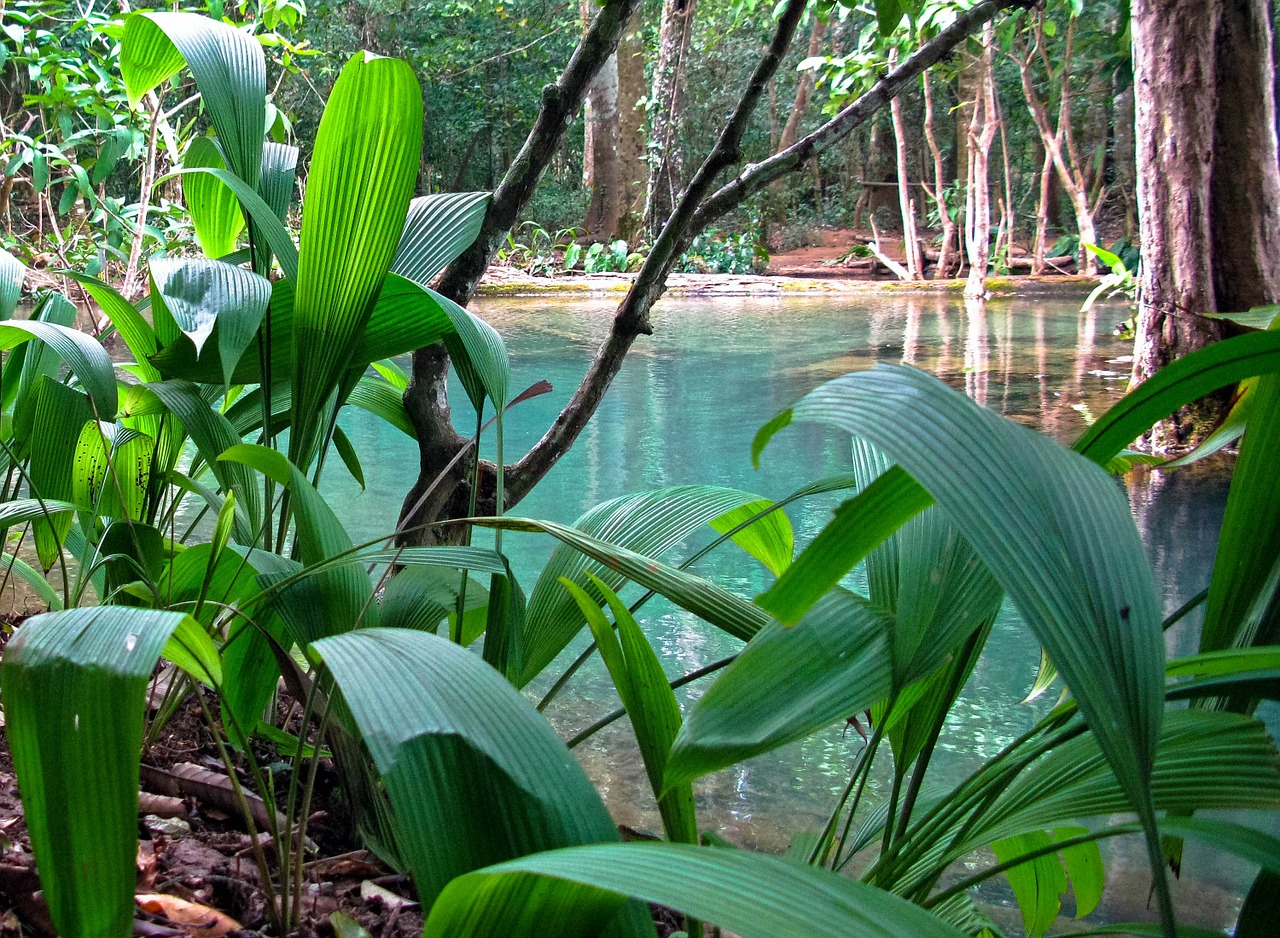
x=684, y=409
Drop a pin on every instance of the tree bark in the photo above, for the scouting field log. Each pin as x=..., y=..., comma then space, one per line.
x=982, y=132
x=947, y=250
x=804, y=88
x=910, y=242
x=1245, y=189
x=602, y=169
x=633, y=166
x=1208, y=181
x=666, y=110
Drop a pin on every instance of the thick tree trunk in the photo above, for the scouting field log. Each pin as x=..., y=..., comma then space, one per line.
x=1245, y=190
x=666, y=110
x=633, y=165
x=1208, y=181
x=601, y=163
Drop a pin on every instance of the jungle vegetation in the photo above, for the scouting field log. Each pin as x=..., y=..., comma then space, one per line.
x=153, y=160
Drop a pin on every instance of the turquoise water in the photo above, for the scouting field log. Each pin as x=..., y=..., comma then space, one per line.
x=684, y=409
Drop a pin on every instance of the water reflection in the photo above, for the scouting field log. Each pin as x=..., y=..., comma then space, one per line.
x=685, y=408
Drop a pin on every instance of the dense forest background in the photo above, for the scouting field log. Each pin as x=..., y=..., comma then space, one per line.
x=74, y=156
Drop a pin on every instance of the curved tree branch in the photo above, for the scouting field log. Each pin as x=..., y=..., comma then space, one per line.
x=697, y=211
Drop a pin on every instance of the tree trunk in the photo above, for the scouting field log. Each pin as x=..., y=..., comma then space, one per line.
x=633, y=167
x=1060, y=142
x=1041, y=247
x=666, y=109
x=601, y=163
x=948, y=248
x=982, y=132
x=1245, y=190
x=1208, y=181
x=910, y=242
x=804, y=88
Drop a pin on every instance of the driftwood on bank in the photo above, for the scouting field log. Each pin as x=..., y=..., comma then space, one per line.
x=699, y=206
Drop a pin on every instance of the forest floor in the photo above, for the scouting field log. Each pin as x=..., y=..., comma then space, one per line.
x=196, y=872
x=821, y=268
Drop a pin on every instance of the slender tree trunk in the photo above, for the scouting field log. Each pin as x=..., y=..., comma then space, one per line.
x=666, y=111
x=910, y=242
x=132, y=285
x=1059, y=141
x=1041, y=247
x=804, y=88
x=1208, y=181
x=982, y=132
x=947, y=249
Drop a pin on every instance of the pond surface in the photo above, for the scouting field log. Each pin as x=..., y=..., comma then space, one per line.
x=684, y=410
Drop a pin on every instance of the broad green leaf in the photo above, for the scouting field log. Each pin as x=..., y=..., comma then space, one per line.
x=133, y=553
x=75, y=686
x=718, y=606
x=405, y=317
x=1037, y=884
x=474, y=773
x=649, y=700
x=648, y=523
x=769, y=538
x=1177, y=384
x=786, y=684
x=1205, y=760
x=279, y=172
x=12, y=273
x=1085, y=869
x=214, y=208
x=347, y=453
x=213, y=434
x=382, y=400
x=82, y=354
x=1057, y=534
x=229, y=68
x=437, y=229
x=859, y=525
x=505, y=624
x=192, y=650
x=200, y=294
x=60, y=414
x=1261, y=907
x=479, y=356
x=1243, y=607
x=363, y=170
x=30, y=362
x=138, y=334
x=329, y=601
x=750, y=894
x=423, y=597
x=1260, y=317
x=111, y=466
x=265, y=223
